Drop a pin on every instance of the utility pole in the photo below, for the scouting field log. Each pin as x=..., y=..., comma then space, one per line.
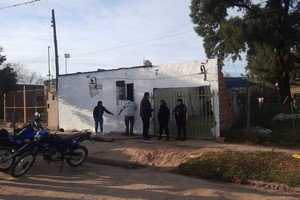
x=49, y=74
x=55, y=47
x=56, y=64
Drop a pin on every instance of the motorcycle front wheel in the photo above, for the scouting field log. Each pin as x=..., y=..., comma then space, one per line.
x=22, y=164
x=77, y=156
x=6, y=160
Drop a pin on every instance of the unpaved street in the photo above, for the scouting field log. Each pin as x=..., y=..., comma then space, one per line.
x=94, y=181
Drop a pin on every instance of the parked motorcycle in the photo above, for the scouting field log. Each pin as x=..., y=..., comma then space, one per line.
x=9, y=144
x=53, y=148
x=21, y=135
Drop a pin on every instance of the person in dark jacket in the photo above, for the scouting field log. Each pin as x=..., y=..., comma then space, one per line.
x=145, y=114
x=180, y=116
x=163, y=119
x=98, y=115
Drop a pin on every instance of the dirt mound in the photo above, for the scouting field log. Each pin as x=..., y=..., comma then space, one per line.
x=155, y=152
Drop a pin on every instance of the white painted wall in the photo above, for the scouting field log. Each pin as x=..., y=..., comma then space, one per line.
x=76, y=104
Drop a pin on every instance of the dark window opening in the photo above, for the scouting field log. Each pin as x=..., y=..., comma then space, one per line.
x=123, y=91
x=129, y=91
x=120, y=90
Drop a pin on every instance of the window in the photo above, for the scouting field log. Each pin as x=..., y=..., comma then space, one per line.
x=129, y=91
x=123, y=91
x=120, y=90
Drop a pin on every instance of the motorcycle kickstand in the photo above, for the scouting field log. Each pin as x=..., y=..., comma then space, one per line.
x=62, y=164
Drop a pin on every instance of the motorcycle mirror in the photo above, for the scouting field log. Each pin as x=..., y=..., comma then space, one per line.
x=37, y=115
x=62, y=130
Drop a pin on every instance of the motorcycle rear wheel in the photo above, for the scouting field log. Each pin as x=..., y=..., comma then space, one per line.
x=78, y=156
x=5, y=164
x=22, y=164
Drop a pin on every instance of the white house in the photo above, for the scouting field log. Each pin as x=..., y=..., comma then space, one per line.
x=79, y=93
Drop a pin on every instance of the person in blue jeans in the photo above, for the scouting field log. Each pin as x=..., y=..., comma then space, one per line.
x=130, y=108
x=98, y=115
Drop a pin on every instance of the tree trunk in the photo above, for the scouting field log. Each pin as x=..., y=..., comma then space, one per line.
x=285, y=90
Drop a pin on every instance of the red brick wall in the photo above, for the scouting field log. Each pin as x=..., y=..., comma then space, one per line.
x=226, y=109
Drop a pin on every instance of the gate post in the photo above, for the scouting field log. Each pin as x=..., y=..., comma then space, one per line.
x=24, y=102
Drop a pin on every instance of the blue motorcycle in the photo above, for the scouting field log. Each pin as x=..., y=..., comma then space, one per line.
x=21, y=135
x=9, y=144
x=53, y=148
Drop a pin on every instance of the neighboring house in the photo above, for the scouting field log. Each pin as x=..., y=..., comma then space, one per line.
x=234, y=99
x=196, y=83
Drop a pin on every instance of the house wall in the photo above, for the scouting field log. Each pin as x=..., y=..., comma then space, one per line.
x=75, y=104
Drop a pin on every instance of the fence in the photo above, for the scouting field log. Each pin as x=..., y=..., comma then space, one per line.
x=20, y=106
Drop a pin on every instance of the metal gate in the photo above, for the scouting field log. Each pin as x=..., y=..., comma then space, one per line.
x=200, y=110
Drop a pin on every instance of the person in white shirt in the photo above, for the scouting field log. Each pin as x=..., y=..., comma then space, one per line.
x=130, y=108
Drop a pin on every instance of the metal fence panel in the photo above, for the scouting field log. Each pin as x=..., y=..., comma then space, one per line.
x=16, y=111
x=200, y=110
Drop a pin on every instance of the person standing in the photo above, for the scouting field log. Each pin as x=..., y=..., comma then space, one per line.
x=130, y=108
x=98, y=115
x=163, y=119
x=145, y=114
x=180, y=116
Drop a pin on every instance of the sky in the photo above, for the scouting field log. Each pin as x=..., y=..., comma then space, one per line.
x=100, y=34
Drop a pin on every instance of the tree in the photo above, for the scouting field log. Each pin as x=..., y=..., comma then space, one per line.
x=8, y=80
x=268, y=31
x=8, y=83
x=24, y=76
x=2, y=58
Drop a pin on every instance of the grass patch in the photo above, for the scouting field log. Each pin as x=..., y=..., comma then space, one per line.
x=279, y=139
x=242, y=167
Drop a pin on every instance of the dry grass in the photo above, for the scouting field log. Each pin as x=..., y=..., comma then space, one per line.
x=243, y=167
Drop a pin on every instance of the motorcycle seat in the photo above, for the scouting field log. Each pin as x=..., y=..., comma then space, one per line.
x=69, y=138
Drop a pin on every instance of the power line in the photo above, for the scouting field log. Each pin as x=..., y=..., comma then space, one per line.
x=20, y=4
x=134, y=44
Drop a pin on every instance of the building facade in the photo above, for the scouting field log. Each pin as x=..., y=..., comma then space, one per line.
x=79, y=93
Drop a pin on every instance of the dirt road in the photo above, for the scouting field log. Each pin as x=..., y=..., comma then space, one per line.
x=104, y=182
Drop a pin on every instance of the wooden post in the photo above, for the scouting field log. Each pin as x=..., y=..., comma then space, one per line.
x=24, y=106
x=248, y=103
x=4, y=108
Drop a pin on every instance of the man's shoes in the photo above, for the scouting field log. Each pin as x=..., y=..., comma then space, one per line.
x=178, y=138
x=146, y=138
x=168, y=139
x=159, y=138
x=183, y=139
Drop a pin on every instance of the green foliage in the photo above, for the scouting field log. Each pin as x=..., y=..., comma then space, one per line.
x=8, y=80
x=241, y=167
x=2, y=58
x=268, y=32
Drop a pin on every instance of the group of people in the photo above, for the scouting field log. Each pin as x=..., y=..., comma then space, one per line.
x=146, y=110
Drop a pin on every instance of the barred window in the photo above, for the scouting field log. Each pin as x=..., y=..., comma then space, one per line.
x=123, y=91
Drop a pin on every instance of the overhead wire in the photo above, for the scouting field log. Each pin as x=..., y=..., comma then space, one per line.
x=103, y=50
x=19, y=4
x=133, y=44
